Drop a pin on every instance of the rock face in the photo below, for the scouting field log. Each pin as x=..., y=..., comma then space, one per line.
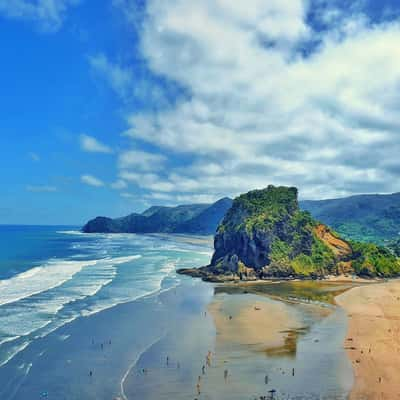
x=265, y=234
x=193, y=218
x=265, y=230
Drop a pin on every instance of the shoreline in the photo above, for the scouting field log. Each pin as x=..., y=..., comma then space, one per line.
x=373, y=342
x=212, y=277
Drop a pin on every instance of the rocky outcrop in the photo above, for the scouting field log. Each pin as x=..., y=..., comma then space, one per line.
x=265, y=235
x=262, y=229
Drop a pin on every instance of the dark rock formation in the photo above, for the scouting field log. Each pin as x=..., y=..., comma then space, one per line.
x=265, y=234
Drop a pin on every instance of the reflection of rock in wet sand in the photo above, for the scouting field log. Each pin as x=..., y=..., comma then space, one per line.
x=294, y=291
x=289, y=347
x=253, y=321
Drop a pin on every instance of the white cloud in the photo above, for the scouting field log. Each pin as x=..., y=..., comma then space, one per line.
x=149, y=181
x=48, y=14
x=119, y=184
x=182, y=199
x=91, y=180
x=262, y=110
x=91, y=144
x=41, y=188
x=140, y=160
x=119, y=78
x=128, y=195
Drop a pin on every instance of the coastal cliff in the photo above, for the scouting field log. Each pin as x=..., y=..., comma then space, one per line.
x=265, y=234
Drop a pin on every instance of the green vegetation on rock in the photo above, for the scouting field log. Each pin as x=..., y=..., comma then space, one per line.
x=372, y=260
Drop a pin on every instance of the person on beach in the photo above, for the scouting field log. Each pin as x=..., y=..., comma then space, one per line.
x=266, y=379
x=198, y=389
x=167, y=360
x=225, y=375
x=203, y=369
x=102, y=346
x=90, y=373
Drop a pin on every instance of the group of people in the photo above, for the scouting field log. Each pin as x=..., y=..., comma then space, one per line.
x=102, y=348
x=203, y=372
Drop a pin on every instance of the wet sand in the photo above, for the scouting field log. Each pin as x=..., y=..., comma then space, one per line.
x=266, y=344
x=253, y=321
x=373, y=339
x=295, y=349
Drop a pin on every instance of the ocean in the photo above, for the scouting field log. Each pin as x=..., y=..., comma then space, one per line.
x=50, y=276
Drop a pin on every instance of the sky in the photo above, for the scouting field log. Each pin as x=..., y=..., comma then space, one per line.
x=110, y=106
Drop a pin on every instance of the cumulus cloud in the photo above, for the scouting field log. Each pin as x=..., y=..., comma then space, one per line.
x=166, y=198
x=41, y=188
x=119, y=184
x=140, y=160
x=271, y=98
x=47, y=14
x=128, y=195
x=118, y=77
x=91, y=180
x=92, y=145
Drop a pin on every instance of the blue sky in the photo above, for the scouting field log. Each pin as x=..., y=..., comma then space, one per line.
x=108, y=107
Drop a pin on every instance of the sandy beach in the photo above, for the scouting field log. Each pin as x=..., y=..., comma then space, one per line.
x=253, y=321
x=373, y=341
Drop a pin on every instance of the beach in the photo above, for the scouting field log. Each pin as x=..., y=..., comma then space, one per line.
x=373, y=340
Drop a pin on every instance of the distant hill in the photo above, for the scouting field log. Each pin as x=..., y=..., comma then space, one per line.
x=193, y=218
x=207, y=220
x=371, y=217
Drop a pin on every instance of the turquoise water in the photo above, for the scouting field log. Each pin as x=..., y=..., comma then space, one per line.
x=50, y=276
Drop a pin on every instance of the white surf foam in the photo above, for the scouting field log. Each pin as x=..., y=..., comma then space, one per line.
x=14, y=352
x=48, y=276
x=72, y=232
x=38, y=279
x=43, y=315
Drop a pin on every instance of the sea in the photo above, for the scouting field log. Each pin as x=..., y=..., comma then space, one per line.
x=52, y=275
